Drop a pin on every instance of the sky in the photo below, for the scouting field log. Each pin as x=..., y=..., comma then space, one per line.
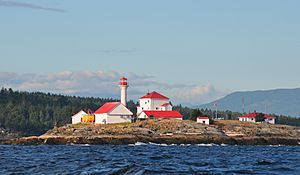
x=193, y=51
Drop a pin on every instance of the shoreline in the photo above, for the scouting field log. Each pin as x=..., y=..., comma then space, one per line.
x=167, y=132
x=121, y=140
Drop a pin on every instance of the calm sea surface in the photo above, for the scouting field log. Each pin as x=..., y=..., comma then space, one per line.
x=149, y=159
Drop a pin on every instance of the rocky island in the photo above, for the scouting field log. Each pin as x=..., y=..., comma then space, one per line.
x=168, y=131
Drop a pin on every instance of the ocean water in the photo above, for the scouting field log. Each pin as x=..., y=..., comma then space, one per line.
x=149, y=159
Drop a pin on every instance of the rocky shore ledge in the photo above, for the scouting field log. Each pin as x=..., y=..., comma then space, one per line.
x=168, y=132
x=6, y=135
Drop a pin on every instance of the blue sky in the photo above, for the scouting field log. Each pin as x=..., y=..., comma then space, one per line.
x=194, y=51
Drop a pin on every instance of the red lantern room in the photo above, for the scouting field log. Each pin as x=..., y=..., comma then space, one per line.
x=123, y=81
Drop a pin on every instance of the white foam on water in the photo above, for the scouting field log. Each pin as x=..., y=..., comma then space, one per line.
x=202, y=144
x=73, y=144
x=153, y=143
x=275, y=145
x=138, y=144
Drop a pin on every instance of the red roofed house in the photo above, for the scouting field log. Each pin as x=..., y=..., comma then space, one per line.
x=257, y=118
x=156, y=105
x=269, y=119
x=113, y=112
x=203, y=120
x=160, y=114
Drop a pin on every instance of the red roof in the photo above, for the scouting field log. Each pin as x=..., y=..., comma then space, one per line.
x=254, y=114
x=163, y=114
x=268, y=116
x=107, y=107
x=165, y=104
x=202, y=117
x=123, y=78
x=250, y=115
x=154, y=95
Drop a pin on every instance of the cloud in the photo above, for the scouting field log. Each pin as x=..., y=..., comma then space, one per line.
x=199, y=94
x=105, y=84
x=27, y=5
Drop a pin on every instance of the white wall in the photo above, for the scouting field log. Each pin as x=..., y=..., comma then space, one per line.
x=120, y=110
x=77, y=117
x=247, y=120
x=123, y=94
x=156, y=103
x=142, y=116
x=271, y=121
x=118, y=119
x=167, y=108
x=101, y=118
x=203, y=121
x=153, y=104
x=145, y=104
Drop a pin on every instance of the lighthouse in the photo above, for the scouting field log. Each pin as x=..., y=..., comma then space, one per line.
x=123, y=86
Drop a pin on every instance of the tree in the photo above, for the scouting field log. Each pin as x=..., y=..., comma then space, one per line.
x=195, y=113
x=260, y=118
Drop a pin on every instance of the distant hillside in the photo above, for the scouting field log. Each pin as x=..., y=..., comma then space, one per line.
x=280, y=101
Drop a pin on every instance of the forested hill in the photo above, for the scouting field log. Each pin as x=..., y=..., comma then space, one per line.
x=35, y=113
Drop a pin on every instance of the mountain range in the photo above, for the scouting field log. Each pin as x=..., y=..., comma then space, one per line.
x=278, y=101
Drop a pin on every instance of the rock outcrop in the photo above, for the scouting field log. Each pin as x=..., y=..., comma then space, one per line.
x=6, y=135
x=168, y=132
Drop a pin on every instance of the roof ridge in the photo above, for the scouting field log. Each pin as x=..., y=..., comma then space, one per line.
x=154, y=94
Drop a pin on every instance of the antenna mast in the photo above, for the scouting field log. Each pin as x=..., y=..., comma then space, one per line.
x=243, y=105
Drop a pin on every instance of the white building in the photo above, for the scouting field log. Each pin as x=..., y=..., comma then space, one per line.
x=157, y=106
x=160, y=114
x=203, y=120
x=77, y=117
x=154, y=102
x=113, y=112
x=252, y=117
x=269, y=119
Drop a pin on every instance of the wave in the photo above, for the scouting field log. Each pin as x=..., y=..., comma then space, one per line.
x=164, y=144
x=207, y=145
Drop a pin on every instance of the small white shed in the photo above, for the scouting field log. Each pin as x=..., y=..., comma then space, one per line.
x=203, y=120
x=77, y=117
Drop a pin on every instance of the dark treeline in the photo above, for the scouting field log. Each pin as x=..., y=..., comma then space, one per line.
x=191, y=114
x=35, y=113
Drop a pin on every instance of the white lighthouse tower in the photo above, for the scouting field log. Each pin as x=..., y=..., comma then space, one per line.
x=123, y=86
